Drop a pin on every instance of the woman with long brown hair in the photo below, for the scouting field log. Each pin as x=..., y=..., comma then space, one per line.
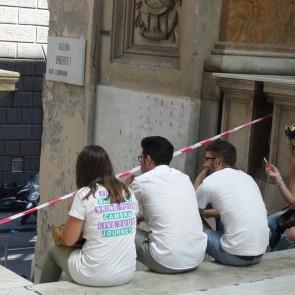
x=282, y=224
x=103, y=212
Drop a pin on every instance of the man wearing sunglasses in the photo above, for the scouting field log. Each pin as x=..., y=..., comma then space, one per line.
x=243, y=236
x=176, y=242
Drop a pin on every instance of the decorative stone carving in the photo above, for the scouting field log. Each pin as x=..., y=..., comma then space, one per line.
x=147, y=30
x=156, y=19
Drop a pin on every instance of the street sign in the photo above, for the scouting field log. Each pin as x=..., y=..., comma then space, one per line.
x=66, y=60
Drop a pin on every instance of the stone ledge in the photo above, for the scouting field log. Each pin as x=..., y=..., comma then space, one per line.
x=210, y=278
x=260, y=65
x=281, y=285
x=8, y=80
x=10, y=280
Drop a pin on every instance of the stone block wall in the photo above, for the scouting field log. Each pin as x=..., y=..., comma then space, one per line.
x=23, y=45
x=23, y=28
x=21, y=118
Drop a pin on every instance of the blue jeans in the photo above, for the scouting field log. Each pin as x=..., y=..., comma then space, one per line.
x=214, y=250
x=277, y=241
x=275, y=235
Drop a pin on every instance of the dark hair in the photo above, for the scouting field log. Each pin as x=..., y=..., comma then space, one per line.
x=286, y=220
x=158, y=148
x=290, y=131
x=223, y=150
x=94, y=167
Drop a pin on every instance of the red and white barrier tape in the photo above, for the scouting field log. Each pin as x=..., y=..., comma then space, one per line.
x=137, y=169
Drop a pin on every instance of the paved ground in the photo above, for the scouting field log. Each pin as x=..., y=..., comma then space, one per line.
x=274, y=275
x=21, y=242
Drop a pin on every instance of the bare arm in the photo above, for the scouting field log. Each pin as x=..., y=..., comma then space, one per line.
x=199, y=179
x=208, y=213
x=72, y=230
x=139, y=219
x=288, y=193
x=291, y=234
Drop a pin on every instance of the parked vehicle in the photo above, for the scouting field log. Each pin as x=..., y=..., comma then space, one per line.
x=17, y=198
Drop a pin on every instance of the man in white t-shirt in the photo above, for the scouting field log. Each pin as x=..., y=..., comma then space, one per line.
x=176, y=242
x=237, y=201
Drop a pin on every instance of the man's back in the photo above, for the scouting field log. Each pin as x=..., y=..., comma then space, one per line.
x=171, y=211
x=237, y=198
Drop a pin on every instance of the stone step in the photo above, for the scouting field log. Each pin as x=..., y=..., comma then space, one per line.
x=277, y=267
x=9, y=280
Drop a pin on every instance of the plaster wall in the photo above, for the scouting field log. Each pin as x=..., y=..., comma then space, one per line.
x=124, y=117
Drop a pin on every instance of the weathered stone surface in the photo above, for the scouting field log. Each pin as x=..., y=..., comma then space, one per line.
x=42, y=34
x=33, y=17
x=11, y=280
x=7, y=50
x=264, y=22
x=274, y=275
x=8, y=15
x=257, y=65
x=174, y=117
x=17, y=33
x=67, y=123
x=43, y=4
x=19, y=3
x=29, y=50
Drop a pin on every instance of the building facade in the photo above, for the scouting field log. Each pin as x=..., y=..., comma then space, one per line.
x=23, y=42
x=185, y=70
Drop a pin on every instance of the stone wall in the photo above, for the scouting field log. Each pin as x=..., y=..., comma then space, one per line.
x=264, y=25
x=23, y=28
x=161, y=71
x=21, y=121
x=68, y=116
x=23, y=39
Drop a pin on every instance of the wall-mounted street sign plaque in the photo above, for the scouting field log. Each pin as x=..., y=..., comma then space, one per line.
x=66, y=60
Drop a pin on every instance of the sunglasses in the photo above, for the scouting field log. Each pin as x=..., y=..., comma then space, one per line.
x=209, y=158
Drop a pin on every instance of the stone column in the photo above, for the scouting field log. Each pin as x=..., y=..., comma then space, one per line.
x=68, y=116
x=238, y=103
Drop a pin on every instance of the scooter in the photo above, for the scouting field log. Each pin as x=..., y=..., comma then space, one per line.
x=33, y=200
x=19, y=198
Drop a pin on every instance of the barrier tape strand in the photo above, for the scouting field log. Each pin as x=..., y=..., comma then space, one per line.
x=182, y=151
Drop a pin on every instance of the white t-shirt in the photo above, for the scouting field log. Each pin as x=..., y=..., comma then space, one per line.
x=237, y=197
x=108, y=256
x=170, y=209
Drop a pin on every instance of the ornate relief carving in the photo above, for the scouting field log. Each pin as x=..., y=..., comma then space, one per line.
x=157, y=19
x=147, y=31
